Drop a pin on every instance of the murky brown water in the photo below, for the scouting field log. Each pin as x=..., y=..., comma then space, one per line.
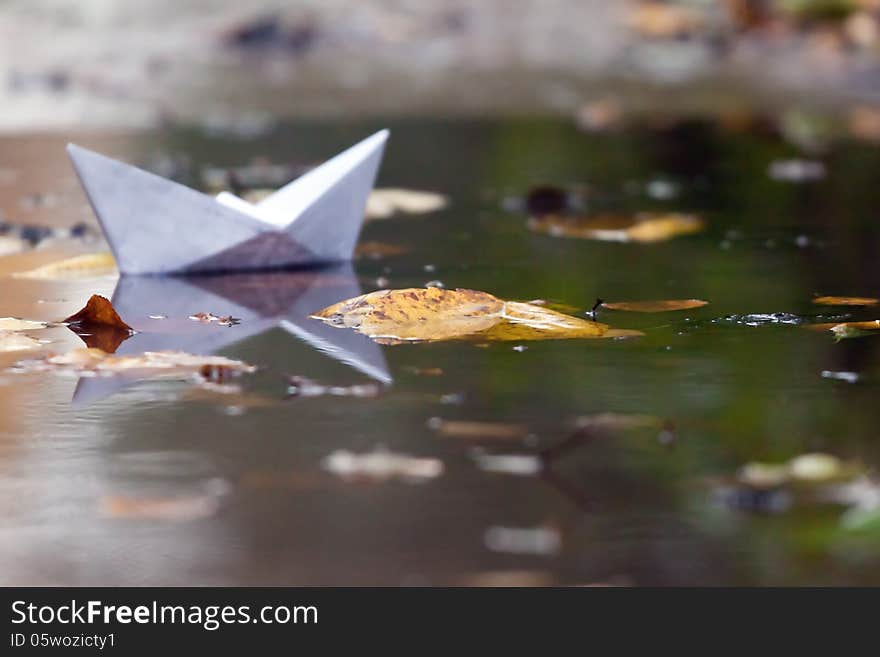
x=159, y=482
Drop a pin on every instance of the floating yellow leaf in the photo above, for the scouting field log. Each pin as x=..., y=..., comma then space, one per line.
x=92, y=265
x=643, y=227
x=522, y=321
x=16, y=324
x=419, y=314
x=655, y=306
x=10, y=341
x=846, y=301
x=384, y=203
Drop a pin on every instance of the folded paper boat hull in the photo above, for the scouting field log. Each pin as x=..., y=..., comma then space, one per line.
x=262, y=301
x=157, y=226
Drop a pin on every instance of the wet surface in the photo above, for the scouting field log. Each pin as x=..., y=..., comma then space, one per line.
x=164, y=482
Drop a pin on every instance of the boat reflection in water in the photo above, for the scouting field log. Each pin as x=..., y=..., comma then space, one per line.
x=158, y=308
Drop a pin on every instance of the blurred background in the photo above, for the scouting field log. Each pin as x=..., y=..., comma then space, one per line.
x=106, y=63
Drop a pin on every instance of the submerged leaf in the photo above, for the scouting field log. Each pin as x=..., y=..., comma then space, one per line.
x=643, y=227
x=97, y=312
x=846, y=301
x=655, y=306
x=92, y=265
x=420, y=314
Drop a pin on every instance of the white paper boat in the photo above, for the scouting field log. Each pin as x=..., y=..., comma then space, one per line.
x=157, y=226
x=262, y=301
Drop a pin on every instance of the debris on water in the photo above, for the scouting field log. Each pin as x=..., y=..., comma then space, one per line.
x=844, y=330
x=524, y=465
x=643, y=227
x=220, y=320
x=180, y=508
x=12, y=341
x=659, y=306
x=158, y=316
x=16, y=324
x=541, y=541
x=384, y=203
x=849, y=377
x=378, y=250
x=775, y=487
x=382, y=465
x=816, y=467
x=302, y=387
x=520, y=348
x=426, y=371
x=796, y=171
x=167, y=364
x=452, y=398
x=617, y=421
x=846, y=301
x=471, y=429
x=763, y=475
x=760, y=319
x=661, y=189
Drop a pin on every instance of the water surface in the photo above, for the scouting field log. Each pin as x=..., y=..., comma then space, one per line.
x=637, y=506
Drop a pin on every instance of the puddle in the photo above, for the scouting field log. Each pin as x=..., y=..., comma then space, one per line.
x=126, y=480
